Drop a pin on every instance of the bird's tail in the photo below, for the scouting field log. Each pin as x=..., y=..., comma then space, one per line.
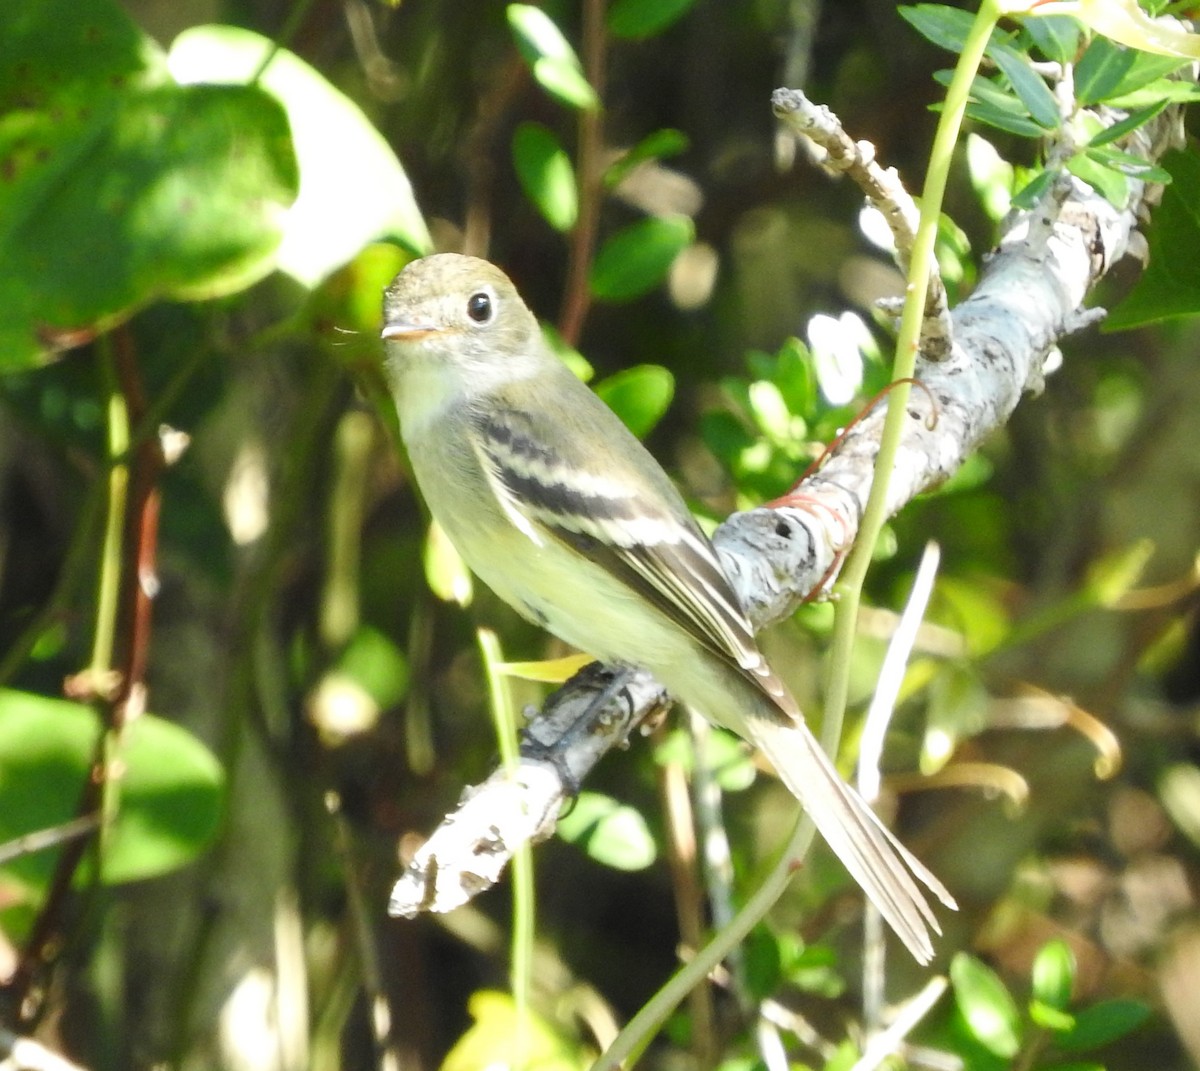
x=874, y=857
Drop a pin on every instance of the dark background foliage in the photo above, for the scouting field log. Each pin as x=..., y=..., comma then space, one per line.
x=1068, y=568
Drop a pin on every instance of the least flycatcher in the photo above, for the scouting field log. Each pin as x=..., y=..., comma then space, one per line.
x=565, y=515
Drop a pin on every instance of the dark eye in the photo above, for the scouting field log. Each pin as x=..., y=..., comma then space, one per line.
x=479, y=307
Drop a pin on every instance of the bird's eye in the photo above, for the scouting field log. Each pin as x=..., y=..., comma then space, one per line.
x=480, y=307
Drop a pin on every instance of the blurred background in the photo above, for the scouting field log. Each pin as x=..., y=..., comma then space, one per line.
x=310, y=655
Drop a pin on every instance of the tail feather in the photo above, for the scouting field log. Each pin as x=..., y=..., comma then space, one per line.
x=874, y=857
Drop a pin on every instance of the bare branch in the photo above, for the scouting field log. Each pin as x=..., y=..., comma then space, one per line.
x=883, y=190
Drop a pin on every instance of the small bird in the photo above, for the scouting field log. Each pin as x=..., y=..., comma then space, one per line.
x=563, y=513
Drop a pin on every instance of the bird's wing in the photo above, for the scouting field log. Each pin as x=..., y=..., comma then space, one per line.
x=640, y=531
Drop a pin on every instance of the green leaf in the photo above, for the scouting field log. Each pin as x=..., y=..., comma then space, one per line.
x=170, y=790
x=178, y=191
x=762, y=962
x=1147, y=69
x=1125, y=163
x=996, y=106
x=565, y=83
x=1161, y=91
x=56, y=51
x=655, y=146
x=725, y=755
x=1101, y=69
x=1050, y=1018
x=1007, y=120
x=638, y=19
x=1170, y=286
x=1029, y=194
x=1127, y=125
x=1028, y=85
x=445, y=572
x=1103, y=1023
x=946, y=27
x=1053, y=974
x=567, y=353
x=353, y=189
x=550, y=56
x=610, y=832
x=639, y=396
x=770, y=411
x=637, y=258
x=374, y=663
x=1110, y=184
x=545, y=174
x=1055, y=36
x=1179, y=790
x=986, y=1005
x=991, y=176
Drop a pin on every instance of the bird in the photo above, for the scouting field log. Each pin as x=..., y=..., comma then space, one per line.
x=558, y=508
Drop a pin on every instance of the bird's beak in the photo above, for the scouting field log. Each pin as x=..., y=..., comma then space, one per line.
x=408, y=329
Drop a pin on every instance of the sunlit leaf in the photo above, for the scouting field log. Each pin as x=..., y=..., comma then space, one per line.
x=610, y=832
x=550, y=56
x=545, y=174
x=637, y=259
x=1161, y=91
x=547, y=670
x=503, y=1036
x=991, y=176
x=1125, y=21
x=445, y=572
x=1179, y=790
x=1112, y=576
x=639, y=396
x=567, y=353
x=1110, y=184
x=170, y=787
x=1053, y=974
x=986, y=1005
x=353, y=190
x=178, y=191
x=1049, y=1017
x=373, y=661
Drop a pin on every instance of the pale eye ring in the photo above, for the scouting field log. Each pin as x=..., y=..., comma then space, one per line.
x=481, y=308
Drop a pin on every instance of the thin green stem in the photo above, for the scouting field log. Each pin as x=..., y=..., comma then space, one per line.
x=636, y=1035
x=290, y=26
x=108, y=692
x=523, y=896
x=849, y=587
x=109, y=591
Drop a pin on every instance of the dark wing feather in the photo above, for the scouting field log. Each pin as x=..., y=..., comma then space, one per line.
x=643, y=536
